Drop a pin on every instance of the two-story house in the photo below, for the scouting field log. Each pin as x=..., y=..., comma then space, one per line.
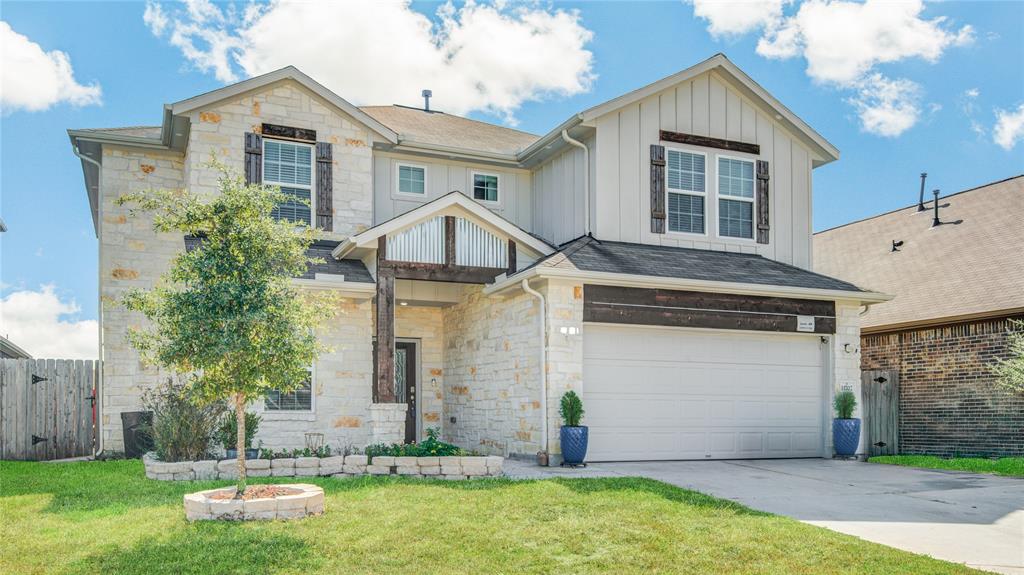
x=652, y=253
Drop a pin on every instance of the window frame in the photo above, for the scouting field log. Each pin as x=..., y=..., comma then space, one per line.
x=312, y=172
x=752, y=200
x=706, y=194
x=292, y=413
x=398, y=180
x=472, y=186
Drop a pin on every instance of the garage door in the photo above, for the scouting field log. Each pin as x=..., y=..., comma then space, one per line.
x=665, y=393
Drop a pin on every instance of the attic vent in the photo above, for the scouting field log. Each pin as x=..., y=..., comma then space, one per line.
x=426, y=99
x=896, y=245
x=920, y=196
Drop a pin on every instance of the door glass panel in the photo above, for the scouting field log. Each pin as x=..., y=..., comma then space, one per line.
x=400, y=375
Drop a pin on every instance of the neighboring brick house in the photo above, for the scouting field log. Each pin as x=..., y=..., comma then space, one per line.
x=957, y=288
x=652, y=253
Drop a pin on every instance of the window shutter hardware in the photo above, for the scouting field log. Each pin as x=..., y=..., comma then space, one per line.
x=763, y=219
x=658, y=199
x=324, y=186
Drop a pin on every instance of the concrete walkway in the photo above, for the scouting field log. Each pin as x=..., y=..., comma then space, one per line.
x=961, y=517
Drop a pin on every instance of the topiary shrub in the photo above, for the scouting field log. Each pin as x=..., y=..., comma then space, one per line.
x=181, y=430
x=571, y=409
x=844, y=403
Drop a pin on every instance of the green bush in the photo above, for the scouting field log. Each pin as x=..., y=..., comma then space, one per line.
x=571, y=409
x=227, y=433
x=181, y=430
x=844, y=403
x=429, y=447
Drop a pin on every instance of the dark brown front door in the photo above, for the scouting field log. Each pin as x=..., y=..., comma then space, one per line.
x=405, y=384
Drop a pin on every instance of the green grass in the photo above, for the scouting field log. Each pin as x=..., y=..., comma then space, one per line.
x=1012, y=466
x=105, y=517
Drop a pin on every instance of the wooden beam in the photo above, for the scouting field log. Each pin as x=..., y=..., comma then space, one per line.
x=289, y=133
x=707, y=142
x=449, y=241
x=384, y=387
x=444, y=273
x=639, y=306
x=511, y=257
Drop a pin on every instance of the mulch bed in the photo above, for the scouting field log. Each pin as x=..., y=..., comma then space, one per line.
x=259, y=492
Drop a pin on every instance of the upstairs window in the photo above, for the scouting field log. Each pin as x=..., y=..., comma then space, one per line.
x=685, y=180
x=485, y=187
x=290, y=166
x=300, y=399
x=412, y=180
x=735, y=198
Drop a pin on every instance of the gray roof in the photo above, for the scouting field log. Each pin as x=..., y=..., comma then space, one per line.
x=440, y=129
x=353, y=270
x=590, y=254
x=151, y=132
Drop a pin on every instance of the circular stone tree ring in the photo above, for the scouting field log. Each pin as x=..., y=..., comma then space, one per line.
x=291, y=501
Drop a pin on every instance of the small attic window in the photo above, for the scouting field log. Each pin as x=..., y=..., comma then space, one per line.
x=412, y=179
x=485, y=187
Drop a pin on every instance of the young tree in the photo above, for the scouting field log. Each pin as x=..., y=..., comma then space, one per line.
x=226, y=312
x=1010, y=372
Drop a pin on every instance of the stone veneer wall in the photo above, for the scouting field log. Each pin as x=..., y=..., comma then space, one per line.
x=492, y=384
x=426, y=325
x=845, y=365
x=949, y=402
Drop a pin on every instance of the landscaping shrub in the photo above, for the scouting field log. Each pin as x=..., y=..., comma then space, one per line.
x=181, y=430
x=227, y=433
x=429, y=447
x=571, y=409
x=844, y=403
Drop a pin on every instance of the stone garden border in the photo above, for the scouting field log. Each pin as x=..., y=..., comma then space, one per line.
x=200, y=507
x=461, y=467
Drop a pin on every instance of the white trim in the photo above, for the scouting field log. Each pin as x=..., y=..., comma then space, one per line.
x=345, y=288
x=495, y=204
x=626, y=280
x=706, y=194
x=397, y=188
x=312, y=172
x=753, y=201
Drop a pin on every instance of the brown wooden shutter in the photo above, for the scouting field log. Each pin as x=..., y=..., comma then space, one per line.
x=253, y=158
x=324, y=186
x=657, y=189
x=762, y=202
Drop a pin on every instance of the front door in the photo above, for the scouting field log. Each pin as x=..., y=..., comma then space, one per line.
x=405, y=384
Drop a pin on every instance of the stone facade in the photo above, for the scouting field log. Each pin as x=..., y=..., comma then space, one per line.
x=949, y=402
x=845, y=364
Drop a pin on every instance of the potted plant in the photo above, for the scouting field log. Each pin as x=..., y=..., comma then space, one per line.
x=573, y=435
x=227, y=435
x=845, y=427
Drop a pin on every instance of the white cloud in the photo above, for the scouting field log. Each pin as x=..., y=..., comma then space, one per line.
x=737, y=17
x=33, y=80
x=37, y=322
x=844, y=42
x=887, y=107
x=489, y=58
x=1009, y=128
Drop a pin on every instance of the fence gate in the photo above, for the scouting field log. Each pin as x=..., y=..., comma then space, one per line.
x=47, y=408
x=881, y=390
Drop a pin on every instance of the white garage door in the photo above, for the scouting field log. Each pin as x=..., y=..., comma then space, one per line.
x=662, y=393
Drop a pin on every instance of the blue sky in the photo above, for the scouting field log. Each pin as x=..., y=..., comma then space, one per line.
x=953, y=96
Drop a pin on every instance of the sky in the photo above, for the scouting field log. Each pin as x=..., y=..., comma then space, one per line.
x=899, y=87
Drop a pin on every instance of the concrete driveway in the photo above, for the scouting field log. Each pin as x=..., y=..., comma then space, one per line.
x=961, y=517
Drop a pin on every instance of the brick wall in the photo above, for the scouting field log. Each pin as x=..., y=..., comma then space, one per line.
x=949, y=402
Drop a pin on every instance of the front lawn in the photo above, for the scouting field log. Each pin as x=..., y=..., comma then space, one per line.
x=105, y=517
x=1012, y=466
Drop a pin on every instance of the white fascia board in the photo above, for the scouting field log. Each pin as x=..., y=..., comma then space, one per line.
x=654, y=282
x=287, y=73
x=358, y=290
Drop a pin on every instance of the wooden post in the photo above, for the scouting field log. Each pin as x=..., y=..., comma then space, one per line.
x=449, y=241
x=511, y=257
x=385, y=384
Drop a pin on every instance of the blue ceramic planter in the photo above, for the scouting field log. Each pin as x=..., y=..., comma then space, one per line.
x=846, y=436
x=574, y=444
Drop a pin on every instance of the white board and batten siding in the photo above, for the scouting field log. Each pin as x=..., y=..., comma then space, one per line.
x=707, y=106
x=424, y=243
x=558, y=188
x=444, y=177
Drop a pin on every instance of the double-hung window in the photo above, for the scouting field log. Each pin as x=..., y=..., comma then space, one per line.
x=412, y=180
x=485, y=187
x=685, y=179
x=290, y=166
x=735, y=198
x=299, y=399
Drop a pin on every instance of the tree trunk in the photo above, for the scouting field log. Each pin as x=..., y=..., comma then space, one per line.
x=240, y=420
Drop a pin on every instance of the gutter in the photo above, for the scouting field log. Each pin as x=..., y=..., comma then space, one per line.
x=542, y=367
x=654, y=282
x=98, y=391
x=586, y=179
x=549, y=138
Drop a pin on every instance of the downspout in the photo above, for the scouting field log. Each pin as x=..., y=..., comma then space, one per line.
x=97, y=391
x=586, y=179
x=543, y=367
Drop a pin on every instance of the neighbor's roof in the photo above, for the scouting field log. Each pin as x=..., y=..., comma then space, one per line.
x=972, y=266
x=590, y=255
x=150, y=132
x=441, y=129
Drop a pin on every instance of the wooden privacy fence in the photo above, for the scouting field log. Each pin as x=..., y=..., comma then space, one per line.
x=881, y=391
x=47, y=408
